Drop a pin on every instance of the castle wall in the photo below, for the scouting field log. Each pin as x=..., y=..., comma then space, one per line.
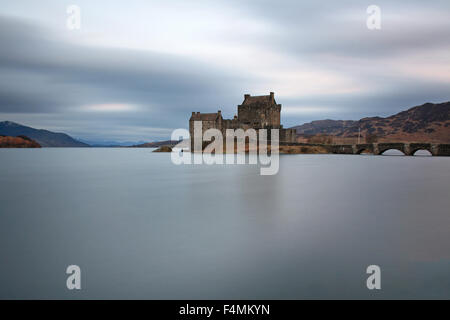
x=259, y=116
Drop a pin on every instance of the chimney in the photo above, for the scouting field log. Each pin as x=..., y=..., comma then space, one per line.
x=193, y=113
x=246, y=96
x=272, y=95
x=219, y=112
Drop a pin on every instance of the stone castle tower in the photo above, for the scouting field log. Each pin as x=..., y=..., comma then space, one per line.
x=256, y=112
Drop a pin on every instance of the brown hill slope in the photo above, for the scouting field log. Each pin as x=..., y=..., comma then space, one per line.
x=426, y=123
x=18, y=142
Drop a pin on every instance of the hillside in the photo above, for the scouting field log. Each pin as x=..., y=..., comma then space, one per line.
x=328, y=126
x=44, y=137
x=17, y=142
x=425, y=123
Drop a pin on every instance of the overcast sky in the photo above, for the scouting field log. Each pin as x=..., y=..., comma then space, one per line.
x=137, y=69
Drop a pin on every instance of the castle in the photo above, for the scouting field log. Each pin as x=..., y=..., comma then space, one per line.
x=255, y=112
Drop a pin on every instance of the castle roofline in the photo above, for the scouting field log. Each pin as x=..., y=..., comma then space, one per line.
x=205, y=116
x=265, y=99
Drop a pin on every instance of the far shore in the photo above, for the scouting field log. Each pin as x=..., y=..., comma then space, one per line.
x=284, y=149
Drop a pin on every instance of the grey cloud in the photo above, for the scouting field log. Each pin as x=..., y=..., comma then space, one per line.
x=339, y=27
x=43, y=74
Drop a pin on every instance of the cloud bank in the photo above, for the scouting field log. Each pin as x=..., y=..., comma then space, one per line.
x=135, y=71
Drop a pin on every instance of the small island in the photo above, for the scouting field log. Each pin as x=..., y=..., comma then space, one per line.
x=163, y=149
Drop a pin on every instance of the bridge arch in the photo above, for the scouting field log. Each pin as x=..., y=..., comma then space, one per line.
x=426, y=153
x=397, y=152
x=383, y=147
x=363, y=148
x=364, y=151
x=414, y=147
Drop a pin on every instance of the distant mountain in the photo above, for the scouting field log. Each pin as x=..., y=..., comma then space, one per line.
x=44, y=137
x=156, y=144
x=425, y=123
x=110, y=143
x=17, y=142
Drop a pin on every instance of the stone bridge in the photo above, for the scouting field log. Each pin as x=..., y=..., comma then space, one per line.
x=378, y=148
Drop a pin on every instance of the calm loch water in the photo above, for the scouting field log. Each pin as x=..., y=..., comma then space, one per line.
x=140, y=227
